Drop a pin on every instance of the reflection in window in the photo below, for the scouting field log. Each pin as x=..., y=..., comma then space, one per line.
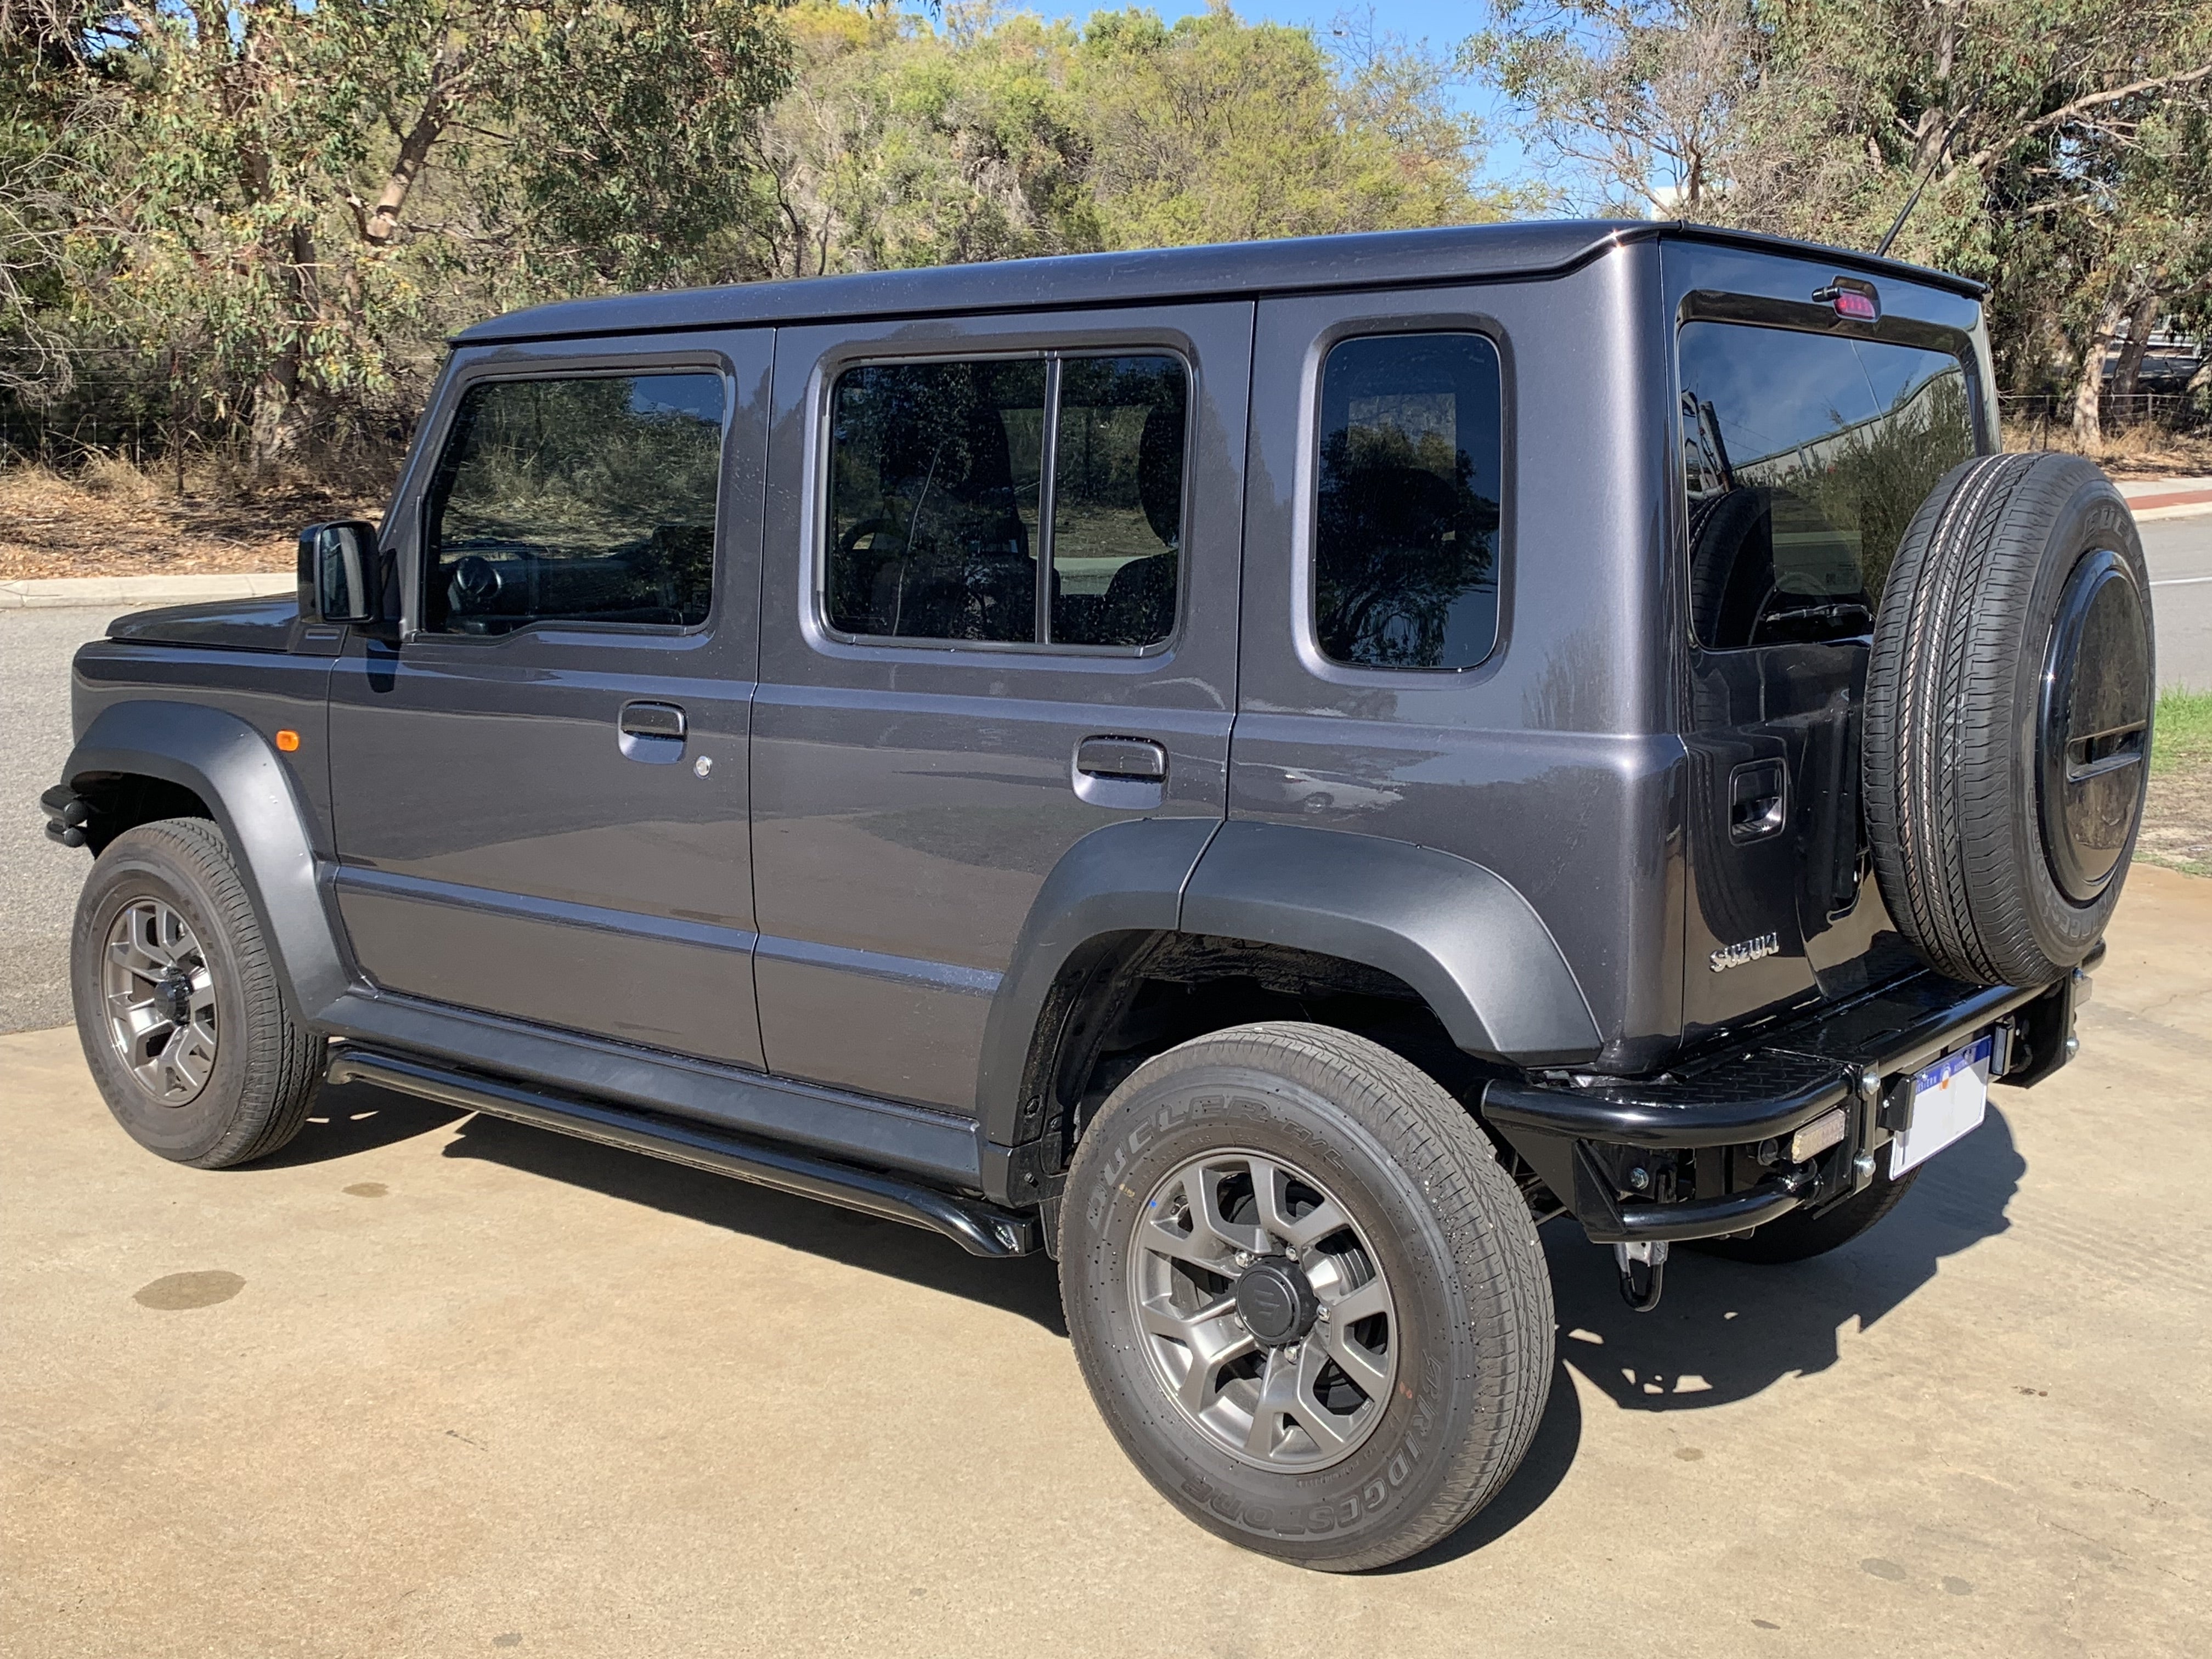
x=1117, y=487
x=585, y=500
x=1805, y=457
x=936, y=476
x=1405, y=544
x=933, y=482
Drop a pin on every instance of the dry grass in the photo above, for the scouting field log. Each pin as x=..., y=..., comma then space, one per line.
x=110, y=518
x=2133, y=452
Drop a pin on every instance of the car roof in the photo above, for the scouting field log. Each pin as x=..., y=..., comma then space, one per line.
x=1373, y=259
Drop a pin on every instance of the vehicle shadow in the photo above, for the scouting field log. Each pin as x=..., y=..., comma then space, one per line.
x=358, y=1117
x=1027, y=1286
x=1727, y=1330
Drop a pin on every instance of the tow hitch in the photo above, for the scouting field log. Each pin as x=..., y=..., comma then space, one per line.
x=1642, y=1292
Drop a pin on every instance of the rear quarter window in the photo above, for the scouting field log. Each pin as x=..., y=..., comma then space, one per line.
x=1805, y=456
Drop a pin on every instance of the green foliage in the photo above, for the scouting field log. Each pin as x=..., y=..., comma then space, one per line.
x=278, y=208
x=2181, y=733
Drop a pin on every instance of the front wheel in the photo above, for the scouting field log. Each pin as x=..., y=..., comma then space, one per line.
x=1309, y=1304
x=178, y=1004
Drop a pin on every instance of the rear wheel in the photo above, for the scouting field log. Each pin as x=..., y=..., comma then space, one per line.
x=1309, y=1304
x=178, y=1004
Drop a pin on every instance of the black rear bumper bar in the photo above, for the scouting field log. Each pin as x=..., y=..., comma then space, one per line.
x=1608, y=1147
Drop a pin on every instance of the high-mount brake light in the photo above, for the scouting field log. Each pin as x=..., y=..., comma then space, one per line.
x=1854, y=301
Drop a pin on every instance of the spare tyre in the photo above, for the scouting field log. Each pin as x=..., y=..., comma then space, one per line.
x=2008, y=718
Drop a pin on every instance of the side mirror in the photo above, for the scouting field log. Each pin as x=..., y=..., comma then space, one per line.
x=341, y=579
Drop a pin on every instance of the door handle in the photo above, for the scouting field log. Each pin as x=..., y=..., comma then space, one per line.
x=1123, y=760
x=652, y=733
x=652, y=720
x=1759, y=800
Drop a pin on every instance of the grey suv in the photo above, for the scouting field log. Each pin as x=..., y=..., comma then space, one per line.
x=1265, y=772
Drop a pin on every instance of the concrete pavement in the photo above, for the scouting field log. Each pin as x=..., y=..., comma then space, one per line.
x=432, y=1385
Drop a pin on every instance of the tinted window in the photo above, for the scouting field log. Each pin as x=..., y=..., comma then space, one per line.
x=935, y=472
x=1405, y=544
x=937, y=487
x=586, y=499
x=1807, y=456
x=1117, y=490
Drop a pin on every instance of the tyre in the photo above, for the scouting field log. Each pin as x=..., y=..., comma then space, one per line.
x=178, y=1004
x=1309, y=1304
x=2008, y=727
x=1798, y=1236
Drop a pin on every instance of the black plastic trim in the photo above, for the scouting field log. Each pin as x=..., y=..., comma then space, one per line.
x=1458, y=933
x=980, y=1228
x=940, y=1147
x=235, y=769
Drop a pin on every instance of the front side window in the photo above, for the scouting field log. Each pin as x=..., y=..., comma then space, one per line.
x=1806, y=456
x=946, y=522
x=1405, y=551
x=587, y=499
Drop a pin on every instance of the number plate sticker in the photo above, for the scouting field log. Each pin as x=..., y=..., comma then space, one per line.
x=1948, y=1101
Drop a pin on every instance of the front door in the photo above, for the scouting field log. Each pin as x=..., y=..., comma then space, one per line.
x=999, y=612
x=540, y=792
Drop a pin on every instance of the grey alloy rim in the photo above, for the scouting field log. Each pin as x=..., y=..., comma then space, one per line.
x=1265, y=1315
x=159, y=994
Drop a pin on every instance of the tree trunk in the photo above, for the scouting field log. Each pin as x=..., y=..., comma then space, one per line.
x=2127, y=374
x=2088, y=429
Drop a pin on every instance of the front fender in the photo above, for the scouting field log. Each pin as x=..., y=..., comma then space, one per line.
x=233, y=767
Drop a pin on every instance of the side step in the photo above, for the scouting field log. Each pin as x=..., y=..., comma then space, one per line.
x=978, y=1228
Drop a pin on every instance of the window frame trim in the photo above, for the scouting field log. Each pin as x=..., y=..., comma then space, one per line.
x=822, y=412
x=467, y=378
x=1305, y=586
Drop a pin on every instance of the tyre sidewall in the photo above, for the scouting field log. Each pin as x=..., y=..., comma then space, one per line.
x=132, y=869
x=1344, y=1510
x=2095, y=517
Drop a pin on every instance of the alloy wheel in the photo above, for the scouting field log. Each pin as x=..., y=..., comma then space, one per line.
x=1266, y=1315
x=160, y=995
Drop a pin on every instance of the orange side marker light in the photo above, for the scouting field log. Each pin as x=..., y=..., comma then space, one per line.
x=288, y=740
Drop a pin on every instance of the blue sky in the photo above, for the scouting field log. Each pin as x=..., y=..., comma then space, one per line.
x=1442, y=23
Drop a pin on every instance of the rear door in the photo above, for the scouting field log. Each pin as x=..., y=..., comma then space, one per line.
x=1808, y=439
x=1000, y=612
x=540, y=790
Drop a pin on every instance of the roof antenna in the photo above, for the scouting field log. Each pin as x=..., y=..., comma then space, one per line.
x=1913, y=201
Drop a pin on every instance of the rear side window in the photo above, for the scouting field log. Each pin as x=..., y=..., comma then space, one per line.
x=1806, y=456
x=1406, y=533
x=948, y=519
x=587, y=499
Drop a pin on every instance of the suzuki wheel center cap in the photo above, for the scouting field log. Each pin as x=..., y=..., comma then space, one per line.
x=1276, y=1301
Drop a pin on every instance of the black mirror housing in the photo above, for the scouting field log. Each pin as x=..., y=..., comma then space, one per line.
x=341, y=576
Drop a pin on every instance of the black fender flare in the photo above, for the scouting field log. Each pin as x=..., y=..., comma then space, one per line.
x=1459, y=934
x=235, y=769
x=1125, y=877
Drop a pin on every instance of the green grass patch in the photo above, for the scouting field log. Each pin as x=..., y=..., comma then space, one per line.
x=2181, y=738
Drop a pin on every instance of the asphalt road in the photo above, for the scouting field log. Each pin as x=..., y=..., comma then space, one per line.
x=2180, y=553
x=41, y=879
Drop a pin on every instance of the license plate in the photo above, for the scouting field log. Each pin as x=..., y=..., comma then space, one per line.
x=1948, y=1101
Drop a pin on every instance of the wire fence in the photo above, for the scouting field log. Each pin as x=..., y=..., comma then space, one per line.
x=2049, y=415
